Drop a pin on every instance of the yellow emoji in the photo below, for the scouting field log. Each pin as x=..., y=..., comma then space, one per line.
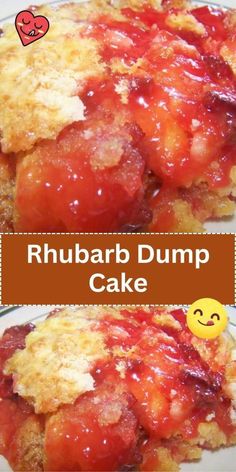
x=207, y=318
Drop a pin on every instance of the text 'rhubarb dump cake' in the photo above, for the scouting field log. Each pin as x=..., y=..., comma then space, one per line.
x=122, y=118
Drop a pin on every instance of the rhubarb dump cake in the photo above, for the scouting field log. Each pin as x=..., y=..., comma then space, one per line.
x=109, y=389
x=122, y=118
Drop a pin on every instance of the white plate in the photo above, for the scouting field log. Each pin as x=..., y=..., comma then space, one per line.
x=218, y=461
x=8, y=11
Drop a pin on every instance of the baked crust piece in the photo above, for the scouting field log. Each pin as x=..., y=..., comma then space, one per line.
x=118, y=101
x=114, y=389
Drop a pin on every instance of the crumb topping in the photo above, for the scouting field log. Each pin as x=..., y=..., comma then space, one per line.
x=54, y=368
x=44, y=82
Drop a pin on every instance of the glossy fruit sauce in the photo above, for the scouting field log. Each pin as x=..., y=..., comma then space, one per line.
x=174, y=125
x=153, y=386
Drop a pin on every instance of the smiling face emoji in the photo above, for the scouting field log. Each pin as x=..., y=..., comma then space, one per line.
x=207, y=318
x=30, y=28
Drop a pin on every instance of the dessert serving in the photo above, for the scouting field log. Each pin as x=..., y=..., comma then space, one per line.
x=109, y=389
x=121, y=118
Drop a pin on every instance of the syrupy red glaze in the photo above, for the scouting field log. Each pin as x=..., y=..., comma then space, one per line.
x=212, y=19
x=99, y=432
x=178, y=118
x=70, y=191
x=154, y=386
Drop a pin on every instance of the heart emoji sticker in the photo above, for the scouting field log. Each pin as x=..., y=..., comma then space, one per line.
x=30, y=28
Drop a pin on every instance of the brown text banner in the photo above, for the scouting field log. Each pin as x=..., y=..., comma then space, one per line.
x=116, y=268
